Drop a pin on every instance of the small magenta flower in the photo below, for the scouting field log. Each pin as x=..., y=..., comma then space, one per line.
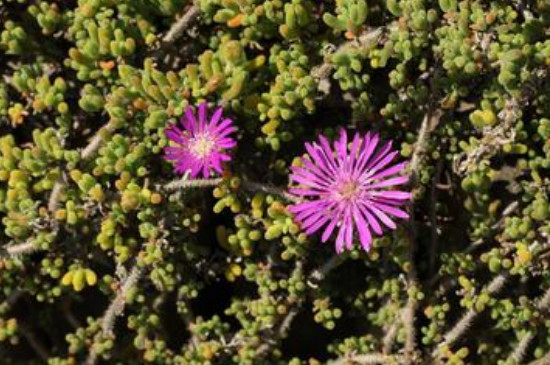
x=200, y=145
x=349, y=188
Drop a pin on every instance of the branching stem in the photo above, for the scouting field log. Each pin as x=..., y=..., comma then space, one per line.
x=246, y=185
x=367, y=359
x=181, y=24
x=517, y=355
x=114, y=310
x=460, y=328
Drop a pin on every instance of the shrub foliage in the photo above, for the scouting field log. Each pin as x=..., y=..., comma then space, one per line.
x=107, y=256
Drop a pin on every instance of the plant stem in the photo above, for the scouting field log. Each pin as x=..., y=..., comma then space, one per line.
x=114, y=310
x=367, y=359
x=519, y=351
x=190, y=184
x=23, y=248
x=462, y=326
x=181, y=24
x=182, y=184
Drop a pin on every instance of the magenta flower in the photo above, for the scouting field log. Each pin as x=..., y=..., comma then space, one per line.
x=349, y=188
x=200, y=145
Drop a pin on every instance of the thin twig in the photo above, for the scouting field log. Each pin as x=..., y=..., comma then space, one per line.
x=19, y=249
x=269, y=339
x=284, y=325
x=14, y=297
x=519, y=351
x=55, y=195
x=433, y=219
x=367, y=359
x=87, y=152
x=94, y=144
x=409, y=323
x=460, y=328
x=69, y=315
x=517, y=355
x=181, y=24
x=281, y=332
x=25, y=330
x=494, y=287
x=254, y=186
x=190, y=184
x=25, y=248
x=246, y=185
x=321, y=272
x=511, y=208
x=428, y=124
x=114, y=310
x=117, y=305
x=390, y=336
x=421, y=145
x=545, y=360
x=366, y=40
x=409, y=313
x=287, y=322
x=38, y=347
x=431, y=118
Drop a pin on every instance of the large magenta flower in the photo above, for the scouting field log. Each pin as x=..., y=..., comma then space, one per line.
x=350, y=188
x=200, y=145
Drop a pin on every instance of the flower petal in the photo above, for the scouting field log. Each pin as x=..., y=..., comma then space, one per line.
x=340, y=240
x=328, y=231
x=389, y=171
x=392, y=194
x=392, y=210
x=364, y=233
x=373, y=222
x=189, y=122
x=202, y=116
x=400, y=180
x=216, y=117
x=382, y=216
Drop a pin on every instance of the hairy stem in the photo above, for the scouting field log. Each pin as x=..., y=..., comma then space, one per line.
x=391, y=334
x=366, y=40
x=433, y=220
x=462, y=326
x=409, y=318
x=545, y=360
x=254, y=186
x=19, y=249
x=281, y=331
x=55, y=195
x=183, y=184
x=190, y=184
x=93, y=146
x=321, y=272
x=517, y=355
x=114, y=310
x=181, y=24
x=431, y=118
x=367, y=359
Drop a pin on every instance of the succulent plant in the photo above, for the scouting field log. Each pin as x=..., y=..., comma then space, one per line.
x=108, y=255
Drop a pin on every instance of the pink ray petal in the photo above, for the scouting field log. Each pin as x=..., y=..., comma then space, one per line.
x=365, y=236
x=390, y=182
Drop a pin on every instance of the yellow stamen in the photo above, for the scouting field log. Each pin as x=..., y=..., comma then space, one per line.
x=201, y=146
x=348, y=190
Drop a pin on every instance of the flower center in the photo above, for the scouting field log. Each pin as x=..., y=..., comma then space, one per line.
x=348, y=190
x=201, y=145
